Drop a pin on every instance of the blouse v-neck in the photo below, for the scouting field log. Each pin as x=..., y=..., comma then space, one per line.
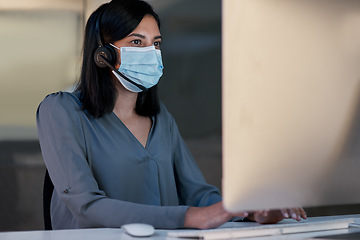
x=152, y=118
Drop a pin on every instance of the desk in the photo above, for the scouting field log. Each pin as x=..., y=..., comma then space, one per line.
x=118, y=234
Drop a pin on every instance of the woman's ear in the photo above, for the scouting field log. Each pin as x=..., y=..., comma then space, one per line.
x=118, y=60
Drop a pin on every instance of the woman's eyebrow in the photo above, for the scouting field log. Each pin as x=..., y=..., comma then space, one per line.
x=142, y=36
x=137, y=35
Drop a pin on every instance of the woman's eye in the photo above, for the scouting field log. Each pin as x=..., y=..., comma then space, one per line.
x=136, y=41
x=157, y=44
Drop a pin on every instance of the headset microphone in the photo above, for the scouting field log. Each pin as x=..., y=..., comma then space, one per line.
x=101, y=58
x=106, y=56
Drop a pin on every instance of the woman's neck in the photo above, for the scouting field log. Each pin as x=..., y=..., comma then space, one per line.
x=125, y=102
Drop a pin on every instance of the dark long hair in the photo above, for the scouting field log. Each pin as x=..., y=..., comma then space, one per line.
x=118, y=19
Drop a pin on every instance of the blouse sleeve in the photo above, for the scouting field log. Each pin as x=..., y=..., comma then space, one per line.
x=64, y=151
x=192, y=187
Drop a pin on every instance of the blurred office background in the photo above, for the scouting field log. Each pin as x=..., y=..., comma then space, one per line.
x=41, y=42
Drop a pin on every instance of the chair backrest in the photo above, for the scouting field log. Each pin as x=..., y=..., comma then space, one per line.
x=47, y=194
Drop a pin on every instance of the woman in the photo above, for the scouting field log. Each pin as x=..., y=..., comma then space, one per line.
x=113, y=152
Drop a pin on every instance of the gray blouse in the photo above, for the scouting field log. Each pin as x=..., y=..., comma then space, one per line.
x=104, y=177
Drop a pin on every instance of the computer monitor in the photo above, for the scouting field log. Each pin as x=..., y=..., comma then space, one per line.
x=291, y=103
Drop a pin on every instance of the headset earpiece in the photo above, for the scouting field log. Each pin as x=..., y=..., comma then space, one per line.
x=107, y=52
x=104, y=50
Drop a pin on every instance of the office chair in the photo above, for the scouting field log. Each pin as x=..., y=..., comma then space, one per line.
x=47, y=193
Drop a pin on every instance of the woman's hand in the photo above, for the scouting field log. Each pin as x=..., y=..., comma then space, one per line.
x=274, y=216
x=208, y=217
x=215, y=215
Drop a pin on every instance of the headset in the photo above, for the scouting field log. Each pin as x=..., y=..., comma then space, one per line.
x=106, y=56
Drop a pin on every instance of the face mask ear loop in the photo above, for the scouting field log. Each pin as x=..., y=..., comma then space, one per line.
x=114, y=46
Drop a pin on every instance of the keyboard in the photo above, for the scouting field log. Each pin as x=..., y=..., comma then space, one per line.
x=262, y=230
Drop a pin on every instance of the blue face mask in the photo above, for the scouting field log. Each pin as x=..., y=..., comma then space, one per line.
x=143, y=65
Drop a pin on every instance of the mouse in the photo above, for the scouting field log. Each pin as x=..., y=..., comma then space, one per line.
x=138, y=229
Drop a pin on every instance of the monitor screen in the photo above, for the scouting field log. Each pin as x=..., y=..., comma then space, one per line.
x=291, y=103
